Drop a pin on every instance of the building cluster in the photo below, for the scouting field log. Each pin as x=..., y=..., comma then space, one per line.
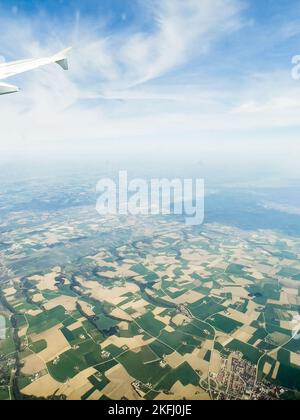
x=237, y=380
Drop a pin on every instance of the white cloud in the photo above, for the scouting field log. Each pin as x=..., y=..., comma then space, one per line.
x=181, y=30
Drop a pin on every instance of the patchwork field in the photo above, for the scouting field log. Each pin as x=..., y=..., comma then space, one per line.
x=171, y=312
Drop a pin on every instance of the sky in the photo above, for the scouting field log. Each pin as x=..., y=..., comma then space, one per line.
x=206, y=81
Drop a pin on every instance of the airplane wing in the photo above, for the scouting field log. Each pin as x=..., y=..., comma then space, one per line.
x=17, y=67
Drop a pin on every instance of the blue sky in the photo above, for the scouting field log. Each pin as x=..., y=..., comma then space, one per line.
x=194, y=76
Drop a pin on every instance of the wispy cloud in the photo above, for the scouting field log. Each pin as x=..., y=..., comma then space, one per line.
x=183, y=30
x=180, y=31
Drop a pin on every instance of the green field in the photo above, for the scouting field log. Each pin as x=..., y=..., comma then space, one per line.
x=224, y=324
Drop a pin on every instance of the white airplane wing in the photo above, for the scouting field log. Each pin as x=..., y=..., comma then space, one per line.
x=17, y=67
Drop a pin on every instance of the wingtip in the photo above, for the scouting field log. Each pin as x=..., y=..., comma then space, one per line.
x=62, y=58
